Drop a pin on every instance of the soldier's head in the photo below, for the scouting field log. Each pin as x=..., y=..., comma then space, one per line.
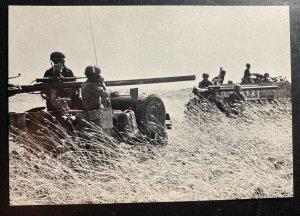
x=266, y=75
x=205, y=75
x=248, y=65
x=237, y=87
x=57, y=60
x=57, y=57
x=92, y=72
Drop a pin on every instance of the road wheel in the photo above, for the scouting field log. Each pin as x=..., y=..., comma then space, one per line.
x=151, y=117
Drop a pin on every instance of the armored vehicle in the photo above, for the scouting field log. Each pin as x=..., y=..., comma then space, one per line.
x=283, y=87
x=255, y=90
x=124, y=117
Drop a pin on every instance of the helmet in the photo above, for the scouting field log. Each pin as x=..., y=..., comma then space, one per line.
x=57, y=57
x=237, y=87
x=248, y=65
x=266, y=75
x=92, y=71
x=205, y=75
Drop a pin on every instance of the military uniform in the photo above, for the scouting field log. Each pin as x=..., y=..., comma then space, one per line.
x=66, y=72
x=247, y=76
x=236, y=97
x=218, y=80
x=91, y=95
x=205, y=83
x=267, y=79
x=53, y=94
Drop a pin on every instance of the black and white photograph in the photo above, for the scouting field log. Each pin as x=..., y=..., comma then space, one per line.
x=147, y=104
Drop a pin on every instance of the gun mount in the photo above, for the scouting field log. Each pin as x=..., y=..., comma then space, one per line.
x=124, y=117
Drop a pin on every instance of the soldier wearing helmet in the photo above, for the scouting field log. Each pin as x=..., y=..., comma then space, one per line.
x=236, y=98
x=205, y=82
x=58, y=68
x=247, y=74
x=94, y=89
x=266, y=78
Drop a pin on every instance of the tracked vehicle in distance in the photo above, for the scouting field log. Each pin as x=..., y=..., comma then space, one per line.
x=255, y=91
x=124, y=117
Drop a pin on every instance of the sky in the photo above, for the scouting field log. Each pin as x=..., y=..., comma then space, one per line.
x=134, y=42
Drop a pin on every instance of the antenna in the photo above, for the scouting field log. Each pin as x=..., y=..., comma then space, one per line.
x=91, y=27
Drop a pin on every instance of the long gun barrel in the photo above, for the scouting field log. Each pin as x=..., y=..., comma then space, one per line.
x=122, y=82
x=68, y=82
x=150, y=80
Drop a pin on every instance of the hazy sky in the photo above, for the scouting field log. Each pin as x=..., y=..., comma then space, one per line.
x=151, y=41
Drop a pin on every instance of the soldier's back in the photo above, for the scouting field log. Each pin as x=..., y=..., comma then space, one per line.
x=90, y=95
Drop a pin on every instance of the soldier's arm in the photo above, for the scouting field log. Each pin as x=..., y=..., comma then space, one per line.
x=104, y=86
x=100, y=90
x=201, y=85
x=102, y=83
x=46, y=74
x=69, y=72
x=232, y=99
x=243, y=97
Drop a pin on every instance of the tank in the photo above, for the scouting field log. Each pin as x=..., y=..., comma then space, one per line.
x=125, y=117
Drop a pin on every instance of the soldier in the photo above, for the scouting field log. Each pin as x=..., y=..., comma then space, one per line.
x=58, y=70
x=236, y=99
x=219, y=79
x=205, y=82
x=247, y=74
x=266, y=78
x=94, y=89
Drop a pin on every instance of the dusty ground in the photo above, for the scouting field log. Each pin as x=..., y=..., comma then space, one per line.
x=209, y=157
